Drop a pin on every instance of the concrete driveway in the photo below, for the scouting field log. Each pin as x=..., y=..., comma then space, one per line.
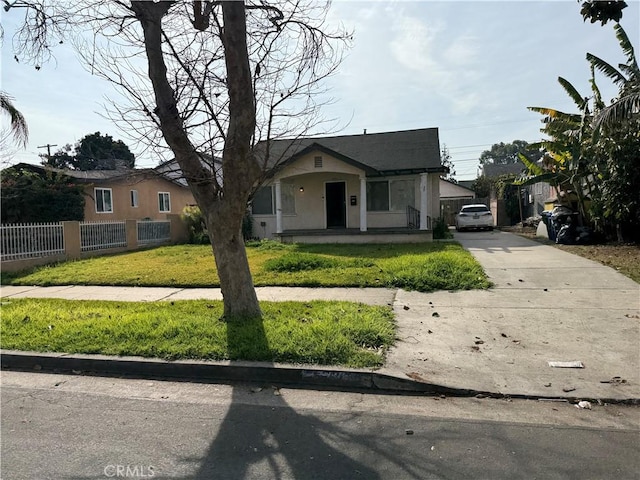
x=546, y=305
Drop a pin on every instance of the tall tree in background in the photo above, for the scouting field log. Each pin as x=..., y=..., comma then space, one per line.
x=507, y=153
x=602, y=11
x=31, y=195
x=445, y=159
x=93, y=152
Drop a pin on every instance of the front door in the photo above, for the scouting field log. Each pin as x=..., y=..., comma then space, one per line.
x=336, y=201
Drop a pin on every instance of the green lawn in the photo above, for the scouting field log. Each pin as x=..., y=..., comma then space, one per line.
x=423, y=267
x=327, y=333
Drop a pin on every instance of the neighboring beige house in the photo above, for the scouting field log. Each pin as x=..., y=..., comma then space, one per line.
x=380, y=187
x=131, y=194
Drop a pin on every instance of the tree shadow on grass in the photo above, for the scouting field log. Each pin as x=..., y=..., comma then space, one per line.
x=273, y=441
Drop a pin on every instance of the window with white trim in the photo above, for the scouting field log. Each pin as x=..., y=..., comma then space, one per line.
x=164, y=202
x=263, y=202
x=134, y=198
x=390, y=195
x=288, y=193
x=378, y=196
x=403, y=194
x=104, y=200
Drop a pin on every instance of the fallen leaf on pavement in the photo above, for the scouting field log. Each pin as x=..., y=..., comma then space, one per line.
x=415, y=376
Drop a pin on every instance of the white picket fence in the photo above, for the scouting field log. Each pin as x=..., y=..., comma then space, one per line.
x=23, y=241
x=30, y=240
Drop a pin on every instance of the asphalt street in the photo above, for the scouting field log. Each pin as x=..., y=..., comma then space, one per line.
x=77, y=427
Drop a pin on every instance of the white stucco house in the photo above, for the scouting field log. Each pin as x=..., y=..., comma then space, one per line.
x=368, y=188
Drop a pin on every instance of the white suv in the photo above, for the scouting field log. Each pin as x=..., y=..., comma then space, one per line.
x=474, y=216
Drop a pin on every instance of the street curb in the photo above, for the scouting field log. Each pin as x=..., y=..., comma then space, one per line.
x=343, y=380
x=207, y=372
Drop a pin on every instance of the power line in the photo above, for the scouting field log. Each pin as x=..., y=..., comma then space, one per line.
x=48, y=147
x=470, y=146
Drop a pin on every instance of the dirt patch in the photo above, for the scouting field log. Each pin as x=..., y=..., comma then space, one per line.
x=625, y=258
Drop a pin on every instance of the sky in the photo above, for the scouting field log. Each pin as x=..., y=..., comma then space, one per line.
x=469, y=68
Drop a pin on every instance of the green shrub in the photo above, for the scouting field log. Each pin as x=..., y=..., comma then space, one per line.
x=192, y=217
x=32, y=197
x=247, y=226
x=267, y=244
x=297, y=262
x=441, y=229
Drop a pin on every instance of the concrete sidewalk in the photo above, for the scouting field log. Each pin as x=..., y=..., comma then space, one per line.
x=546, y=305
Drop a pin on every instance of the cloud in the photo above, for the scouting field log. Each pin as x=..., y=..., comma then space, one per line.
x=432, y=57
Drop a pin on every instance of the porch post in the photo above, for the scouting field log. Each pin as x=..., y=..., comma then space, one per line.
x=363, y=204
x=423, y=201
x=278, y=207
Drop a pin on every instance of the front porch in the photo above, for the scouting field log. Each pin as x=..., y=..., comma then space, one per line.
x=354, y=235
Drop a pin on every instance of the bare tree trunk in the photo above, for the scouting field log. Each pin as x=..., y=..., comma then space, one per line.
x=223, y=206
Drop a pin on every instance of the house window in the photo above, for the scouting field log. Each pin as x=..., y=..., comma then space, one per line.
x=104, y=203
x=393, y=195
x=134, y=198
x=378, y=196
x=402, y=194
x=262, y=203
x=317, y=162
x=287, y=192
x=164, y=202
x=264, y=200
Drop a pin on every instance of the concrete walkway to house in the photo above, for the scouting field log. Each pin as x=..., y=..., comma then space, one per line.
x=546, y=306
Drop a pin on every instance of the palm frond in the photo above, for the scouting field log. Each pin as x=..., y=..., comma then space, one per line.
x=627, y=47
x=578, y=99
x=532, y=167
x=607, y=69
x=547, y=177
x=630, y=70
x=623, y=109
x=550, y=112
x=19, y=128
x=598, y=104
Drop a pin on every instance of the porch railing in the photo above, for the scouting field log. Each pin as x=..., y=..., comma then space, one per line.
x=102, y=235
x=413, y=218
x=29, y=240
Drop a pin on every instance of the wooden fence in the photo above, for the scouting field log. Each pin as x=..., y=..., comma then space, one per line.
x=449, y=208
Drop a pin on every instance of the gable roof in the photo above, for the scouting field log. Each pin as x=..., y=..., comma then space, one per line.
x=494, y=170
x=171, y=169
x=450, y=189
x=100, y=176
x=408, y=151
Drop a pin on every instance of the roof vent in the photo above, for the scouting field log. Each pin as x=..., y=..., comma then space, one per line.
x=317, y=162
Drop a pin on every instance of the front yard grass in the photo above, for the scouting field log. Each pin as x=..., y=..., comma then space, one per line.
x=318, y=332
x=424, y=267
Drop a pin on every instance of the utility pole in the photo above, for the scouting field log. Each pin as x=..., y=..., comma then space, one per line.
x=48, y=147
